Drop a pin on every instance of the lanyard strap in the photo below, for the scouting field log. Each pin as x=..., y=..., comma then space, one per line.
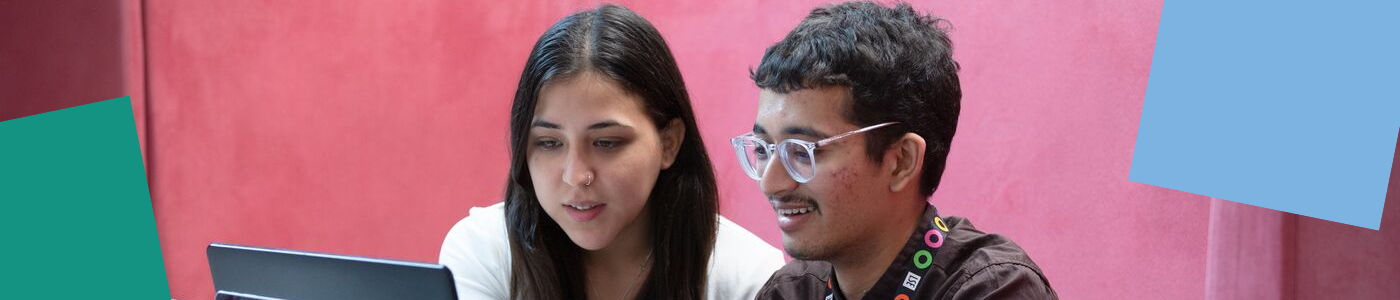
x=934, y=233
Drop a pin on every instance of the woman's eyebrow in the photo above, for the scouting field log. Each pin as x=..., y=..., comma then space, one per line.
x=545, y=124
x=606, y=124
x=599, y=125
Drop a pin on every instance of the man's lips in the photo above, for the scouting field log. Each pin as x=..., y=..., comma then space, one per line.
x=794, y=213
x=788, y=207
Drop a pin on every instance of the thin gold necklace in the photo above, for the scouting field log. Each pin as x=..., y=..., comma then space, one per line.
x=635, y=279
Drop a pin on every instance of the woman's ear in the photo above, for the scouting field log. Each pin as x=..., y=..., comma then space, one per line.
x=671, y=138
x=905, y=160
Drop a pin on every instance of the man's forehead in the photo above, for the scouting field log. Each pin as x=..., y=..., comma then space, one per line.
x=810, y=109
x=832, y=99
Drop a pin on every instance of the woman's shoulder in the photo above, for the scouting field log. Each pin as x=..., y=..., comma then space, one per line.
x=476, y=251
x=482, y=219
x=483, y=228
x=735, y=238
x=490, y=213
x=741, y=262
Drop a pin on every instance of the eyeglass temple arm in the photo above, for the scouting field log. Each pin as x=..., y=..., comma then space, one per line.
x=839, y=136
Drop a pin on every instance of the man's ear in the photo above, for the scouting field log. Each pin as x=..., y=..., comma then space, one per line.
x=671, y=138
x=905, y=161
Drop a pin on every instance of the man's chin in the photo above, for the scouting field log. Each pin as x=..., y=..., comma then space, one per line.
x=801, y=249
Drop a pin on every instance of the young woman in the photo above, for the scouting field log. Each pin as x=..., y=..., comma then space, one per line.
x=611, y=194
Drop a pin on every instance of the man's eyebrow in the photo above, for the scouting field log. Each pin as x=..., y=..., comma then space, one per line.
x=798, y=130
x=804, y=130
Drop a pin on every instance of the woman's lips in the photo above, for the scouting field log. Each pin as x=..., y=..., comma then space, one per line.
x=584, y=212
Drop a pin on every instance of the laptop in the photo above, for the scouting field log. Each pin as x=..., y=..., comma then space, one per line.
x=252, y=273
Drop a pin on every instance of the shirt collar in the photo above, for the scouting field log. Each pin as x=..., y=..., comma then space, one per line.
x=914, y=263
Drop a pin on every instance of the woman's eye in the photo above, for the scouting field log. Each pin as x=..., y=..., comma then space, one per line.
x=607, y=144
x=547, y=144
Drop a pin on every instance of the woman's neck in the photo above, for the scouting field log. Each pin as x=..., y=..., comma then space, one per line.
x=620, y=268
x=629, y=248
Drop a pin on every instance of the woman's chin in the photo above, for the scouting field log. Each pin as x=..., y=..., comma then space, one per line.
x=589, y=241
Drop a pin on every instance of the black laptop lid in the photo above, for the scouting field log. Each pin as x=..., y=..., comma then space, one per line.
x=242, y=272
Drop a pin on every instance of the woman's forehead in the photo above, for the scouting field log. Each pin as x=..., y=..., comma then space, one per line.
x=588, y=99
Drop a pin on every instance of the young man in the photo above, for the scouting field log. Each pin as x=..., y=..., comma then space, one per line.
x=857, y=108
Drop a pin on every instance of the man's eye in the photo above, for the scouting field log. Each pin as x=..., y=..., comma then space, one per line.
x=760, y=153
x=802, y=157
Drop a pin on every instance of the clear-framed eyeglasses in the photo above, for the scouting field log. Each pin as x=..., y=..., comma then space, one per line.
x=798, y=156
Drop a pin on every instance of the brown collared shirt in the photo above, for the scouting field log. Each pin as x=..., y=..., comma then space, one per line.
x=943, y=259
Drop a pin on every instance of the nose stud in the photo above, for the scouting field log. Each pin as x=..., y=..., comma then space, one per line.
x=590, y=180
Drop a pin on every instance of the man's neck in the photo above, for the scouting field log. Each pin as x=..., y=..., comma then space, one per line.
x=859, y=270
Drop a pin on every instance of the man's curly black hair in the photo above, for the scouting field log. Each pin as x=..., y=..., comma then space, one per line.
x=897, y=64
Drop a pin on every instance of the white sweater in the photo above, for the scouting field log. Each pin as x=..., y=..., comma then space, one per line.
x=477, y=252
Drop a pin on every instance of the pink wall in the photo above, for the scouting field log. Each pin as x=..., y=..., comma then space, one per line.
x=1257, y=253
x=370, y=127
x=59, y=54
x=64, y=53
x=1052, y=95
x=1340, y=261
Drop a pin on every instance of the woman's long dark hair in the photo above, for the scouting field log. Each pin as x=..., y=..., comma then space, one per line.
x=618, y=44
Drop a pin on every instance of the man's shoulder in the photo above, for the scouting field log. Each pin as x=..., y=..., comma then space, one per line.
x=798, y=279
x=970, y=249
x=978, y=260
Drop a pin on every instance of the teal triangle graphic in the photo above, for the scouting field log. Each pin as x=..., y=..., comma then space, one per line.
x=75, y=207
